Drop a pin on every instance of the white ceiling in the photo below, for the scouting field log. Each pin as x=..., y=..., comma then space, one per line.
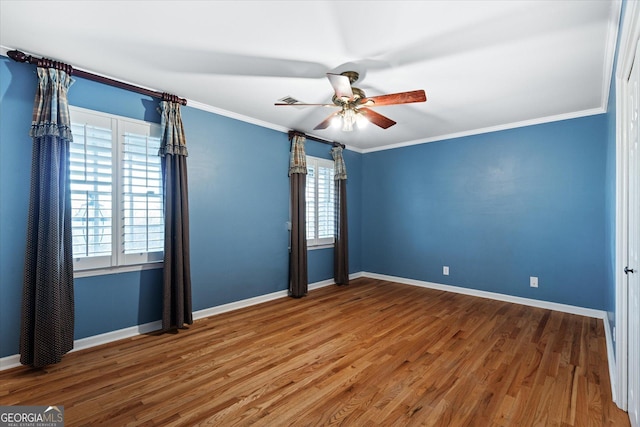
x=483, y=64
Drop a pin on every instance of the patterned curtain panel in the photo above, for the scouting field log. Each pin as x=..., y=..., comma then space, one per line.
x=341, y=249
x=47, y=302
x=298, y=280
x=177, y=308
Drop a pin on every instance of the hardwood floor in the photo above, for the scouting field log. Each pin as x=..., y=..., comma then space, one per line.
x=371, y=353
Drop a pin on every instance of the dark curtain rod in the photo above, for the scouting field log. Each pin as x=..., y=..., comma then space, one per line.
x=313, y=138
x=18, y=56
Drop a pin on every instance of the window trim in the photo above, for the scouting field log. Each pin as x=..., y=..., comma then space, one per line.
x=117, y=261
x=102, y=271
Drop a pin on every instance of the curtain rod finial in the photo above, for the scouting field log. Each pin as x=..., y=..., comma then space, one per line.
x=18, y=56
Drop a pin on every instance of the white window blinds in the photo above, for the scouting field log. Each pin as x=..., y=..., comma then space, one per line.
x=143, y=227
x=116, y=191
x=320, y=194
x=91, y=173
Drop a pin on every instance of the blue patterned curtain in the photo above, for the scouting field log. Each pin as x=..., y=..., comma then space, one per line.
x=298, y=276
x=47, y=302
x=341, y=247
x=177, y=307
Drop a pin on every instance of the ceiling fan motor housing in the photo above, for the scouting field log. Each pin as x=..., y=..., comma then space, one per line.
x=358, y=94
x=353, y=76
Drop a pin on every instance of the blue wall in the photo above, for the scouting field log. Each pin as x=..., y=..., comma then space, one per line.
x=16, y=87
x=238, y=210
x=496, y=208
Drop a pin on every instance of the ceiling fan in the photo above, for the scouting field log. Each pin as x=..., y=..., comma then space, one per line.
x=354, y=104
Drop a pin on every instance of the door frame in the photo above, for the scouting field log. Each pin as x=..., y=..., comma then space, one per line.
x=626, y=54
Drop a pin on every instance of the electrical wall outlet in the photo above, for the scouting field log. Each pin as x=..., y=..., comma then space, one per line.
x=445, y=270
x=533, y=282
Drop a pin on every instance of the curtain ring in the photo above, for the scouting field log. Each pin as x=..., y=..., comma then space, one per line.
x=49, y=63
x=171, y=98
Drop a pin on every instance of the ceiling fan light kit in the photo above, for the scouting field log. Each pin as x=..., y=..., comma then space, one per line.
x=347, y=117
x=354, y=104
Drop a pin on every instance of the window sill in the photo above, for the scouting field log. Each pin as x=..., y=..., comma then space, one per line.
x=115, y=270
x=313, y=248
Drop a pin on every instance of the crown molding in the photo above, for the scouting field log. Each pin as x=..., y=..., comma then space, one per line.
x=506, y=126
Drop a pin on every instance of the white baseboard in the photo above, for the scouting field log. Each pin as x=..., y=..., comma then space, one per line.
x=200, y=314
x=9, y=362
x=13, y=361
x=219, y=309
x=610, y=358
x=589, y=312
x=92, y=341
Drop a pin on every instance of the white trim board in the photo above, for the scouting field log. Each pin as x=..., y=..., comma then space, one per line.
x=571, y=309
x=13, y=361
x=236, y=116
x=497, y=128
x=611, y=358
x=630, y=33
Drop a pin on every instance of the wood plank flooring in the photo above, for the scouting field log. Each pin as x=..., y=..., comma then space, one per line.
x=371, y=353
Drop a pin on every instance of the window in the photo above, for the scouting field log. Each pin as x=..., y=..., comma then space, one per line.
x=116, y=191
x=320, y=193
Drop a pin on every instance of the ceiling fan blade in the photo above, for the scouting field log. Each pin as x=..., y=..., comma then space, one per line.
x=377, y=118
x=341, y=85
x=396, y=98
x=326, y=122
